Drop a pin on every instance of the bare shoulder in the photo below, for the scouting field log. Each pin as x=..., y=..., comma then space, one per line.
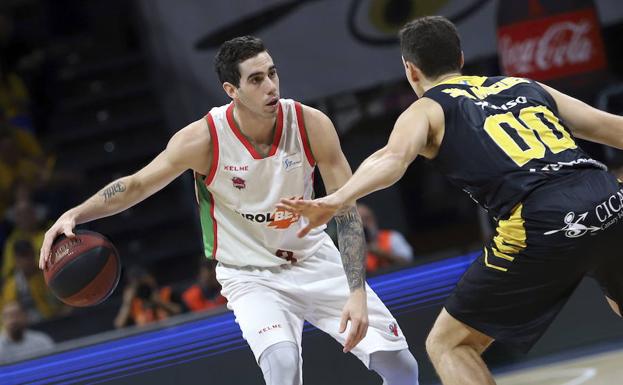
x=425, y=119
x=423, y=113
x=316, y=120
x=323, y=139
x=318, y=126
x=191, y=146
x=423, y=108
x=194, y=133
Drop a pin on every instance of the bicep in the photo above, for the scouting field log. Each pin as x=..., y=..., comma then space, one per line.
x=409, y=135
x=335, y=170
x=158, y=173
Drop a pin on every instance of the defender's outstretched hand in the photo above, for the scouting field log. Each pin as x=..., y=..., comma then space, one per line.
x=317, y=211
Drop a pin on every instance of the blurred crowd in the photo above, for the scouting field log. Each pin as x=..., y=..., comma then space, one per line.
x=33, y=191
x=146, y=301
x=25, y=171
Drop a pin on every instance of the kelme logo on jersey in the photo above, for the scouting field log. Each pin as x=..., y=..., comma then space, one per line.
x=279, y=219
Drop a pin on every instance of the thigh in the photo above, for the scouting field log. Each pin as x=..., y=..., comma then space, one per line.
x=609, y=276
x=604, y=219
x=328, y=293
x=540, y=252
x=514, y=290
x=608, y=271
x=265, y=315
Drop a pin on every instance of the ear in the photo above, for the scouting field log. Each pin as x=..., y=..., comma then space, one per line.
x=231, y=90
x=462, y=59
x=412, y=71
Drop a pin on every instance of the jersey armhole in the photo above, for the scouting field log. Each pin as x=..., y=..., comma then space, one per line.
x=547, y=96
x=303, y=132
x=215, y=147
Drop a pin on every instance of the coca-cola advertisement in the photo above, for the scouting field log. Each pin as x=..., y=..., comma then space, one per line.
x=552, y=47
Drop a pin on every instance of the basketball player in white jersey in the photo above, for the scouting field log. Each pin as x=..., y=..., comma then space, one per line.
x=246, y=156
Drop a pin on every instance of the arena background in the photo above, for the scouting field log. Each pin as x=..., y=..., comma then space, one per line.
x=110, y=81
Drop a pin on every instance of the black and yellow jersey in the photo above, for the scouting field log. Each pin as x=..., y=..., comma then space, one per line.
x=503, y=138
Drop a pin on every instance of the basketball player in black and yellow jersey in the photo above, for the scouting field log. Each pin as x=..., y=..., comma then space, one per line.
x=509, y=143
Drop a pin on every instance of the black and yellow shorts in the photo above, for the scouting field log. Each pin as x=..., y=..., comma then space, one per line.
x=564, y=230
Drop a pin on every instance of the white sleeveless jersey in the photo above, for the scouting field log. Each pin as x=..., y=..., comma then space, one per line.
x=237, y=199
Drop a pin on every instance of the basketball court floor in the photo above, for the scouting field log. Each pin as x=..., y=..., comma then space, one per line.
x=604, y=368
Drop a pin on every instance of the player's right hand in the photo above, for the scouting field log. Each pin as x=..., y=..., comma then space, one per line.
x=63, y=225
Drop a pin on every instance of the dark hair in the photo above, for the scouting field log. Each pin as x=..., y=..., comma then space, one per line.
x=432, y=43
x=232, y=53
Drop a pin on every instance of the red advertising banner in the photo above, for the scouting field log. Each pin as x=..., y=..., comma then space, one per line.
x=552, y=47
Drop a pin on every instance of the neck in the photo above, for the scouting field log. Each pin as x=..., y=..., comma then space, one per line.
x=257, y=128
x=427, y=84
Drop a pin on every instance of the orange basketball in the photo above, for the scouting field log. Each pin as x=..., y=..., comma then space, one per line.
x=85, y=269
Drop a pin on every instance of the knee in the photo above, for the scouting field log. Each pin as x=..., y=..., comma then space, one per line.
x=449, y=334
x=286, y=362
x=280, y=364
x=408, y=366
x=436, y=344
x=395, y=367
x=401, y=361
x=441, y=341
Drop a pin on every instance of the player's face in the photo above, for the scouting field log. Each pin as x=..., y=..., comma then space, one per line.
x=259, y=85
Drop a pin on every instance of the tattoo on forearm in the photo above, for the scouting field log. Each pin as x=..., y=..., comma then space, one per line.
x=110, y=191
x=352, y=246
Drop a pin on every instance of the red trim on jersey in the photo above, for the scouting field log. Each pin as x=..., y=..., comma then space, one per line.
x=303, y=132
x=243, y=139
x=215, y=228
x=278, y=130
x=214, y=139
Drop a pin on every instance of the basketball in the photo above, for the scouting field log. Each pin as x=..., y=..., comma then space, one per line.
x=85, y=270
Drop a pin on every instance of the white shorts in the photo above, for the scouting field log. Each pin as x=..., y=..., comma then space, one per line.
x=271, y=304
